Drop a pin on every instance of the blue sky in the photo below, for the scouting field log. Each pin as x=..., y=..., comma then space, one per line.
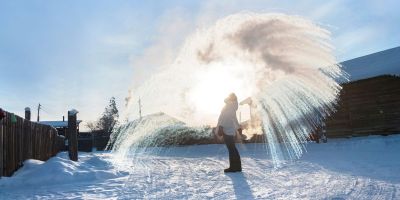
x=77, y=54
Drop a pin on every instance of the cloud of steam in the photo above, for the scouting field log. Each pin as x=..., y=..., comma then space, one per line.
x=269, y=47
x=284, y=63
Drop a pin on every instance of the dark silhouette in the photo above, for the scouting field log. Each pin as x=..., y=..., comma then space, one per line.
x=228, y=126
x=240, y=186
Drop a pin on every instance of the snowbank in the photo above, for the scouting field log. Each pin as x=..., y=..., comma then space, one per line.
x=60, y=170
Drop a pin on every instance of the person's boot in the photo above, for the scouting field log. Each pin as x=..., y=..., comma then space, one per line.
x=237, y=166
x=234, y=167
x=228, y=170
x=237, y=169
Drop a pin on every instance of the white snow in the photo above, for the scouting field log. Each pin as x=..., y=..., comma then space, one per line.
x=379, y=63
x=357, y=168
x=72, y=112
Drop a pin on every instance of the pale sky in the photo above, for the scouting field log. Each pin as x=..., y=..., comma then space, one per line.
x=78, y=54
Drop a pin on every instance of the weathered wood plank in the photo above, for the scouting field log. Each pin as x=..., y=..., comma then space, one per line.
x=22, y=139
x=370, y=106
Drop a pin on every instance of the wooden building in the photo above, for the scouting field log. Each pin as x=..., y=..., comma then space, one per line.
x=367, y=107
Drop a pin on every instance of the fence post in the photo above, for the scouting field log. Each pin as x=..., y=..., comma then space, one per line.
x=28, y=113
x=26, y=134
x=72, y=135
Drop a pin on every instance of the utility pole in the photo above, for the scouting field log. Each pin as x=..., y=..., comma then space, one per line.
x=38, y=112
x=140, y=108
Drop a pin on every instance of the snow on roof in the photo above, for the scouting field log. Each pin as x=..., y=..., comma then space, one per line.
x=383, y=62
x=72, y=112
x=57, y=124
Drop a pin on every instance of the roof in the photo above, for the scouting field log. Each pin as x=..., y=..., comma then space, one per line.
x=58, y=124
x=385, y=76
x=379, y=63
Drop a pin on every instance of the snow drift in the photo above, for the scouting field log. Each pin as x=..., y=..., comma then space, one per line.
x=60, y=170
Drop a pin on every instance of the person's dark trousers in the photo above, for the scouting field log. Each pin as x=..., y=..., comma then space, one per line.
x=234, y=157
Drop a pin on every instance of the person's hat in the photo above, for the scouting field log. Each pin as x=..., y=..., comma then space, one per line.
x=231, y=97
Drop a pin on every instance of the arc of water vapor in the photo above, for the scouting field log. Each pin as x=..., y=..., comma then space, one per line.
x=284, y=63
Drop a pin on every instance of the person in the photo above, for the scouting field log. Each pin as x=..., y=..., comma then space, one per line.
x=227, y=127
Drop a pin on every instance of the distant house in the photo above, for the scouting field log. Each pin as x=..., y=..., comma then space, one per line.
x=61, y=126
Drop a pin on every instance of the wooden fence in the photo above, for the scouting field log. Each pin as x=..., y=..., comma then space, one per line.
x=98, y=140
x=22, y=139
x=369, y=106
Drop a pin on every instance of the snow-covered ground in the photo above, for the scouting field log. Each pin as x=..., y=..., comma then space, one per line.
x=358, y=168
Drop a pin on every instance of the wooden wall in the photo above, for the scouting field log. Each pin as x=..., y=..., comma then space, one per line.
x=21, y=139
x=369, y=106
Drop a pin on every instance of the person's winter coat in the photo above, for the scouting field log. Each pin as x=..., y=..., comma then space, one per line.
x=227, y=119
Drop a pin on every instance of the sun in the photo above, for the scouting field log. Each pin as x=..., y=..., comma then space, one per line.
x=212, y=86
